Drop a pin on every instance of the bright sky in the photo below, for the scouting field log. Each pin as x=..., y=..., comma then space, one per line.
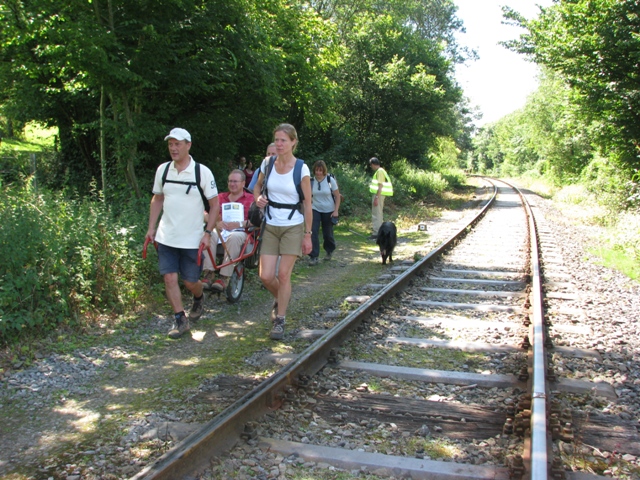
x=500, y=81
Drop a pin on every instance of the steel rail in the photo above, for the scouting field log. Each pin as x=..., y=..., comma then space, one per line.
x=221, y=433
x=539, y=446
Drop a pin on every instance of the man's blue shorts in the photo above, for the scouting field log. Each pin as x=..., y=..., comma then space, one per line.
x=179, y=260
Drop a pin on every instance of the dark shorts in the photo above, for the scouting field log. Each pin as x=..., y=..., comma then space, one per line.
x=179, y=260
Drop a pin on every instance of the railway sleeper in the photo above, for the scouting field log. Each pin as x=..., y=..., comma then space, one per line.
x=567, y=385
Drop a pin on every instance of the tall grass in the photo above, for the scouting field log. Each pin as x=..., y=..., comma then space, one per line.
x=62, y=259
x=618, y=228
x=415, y=183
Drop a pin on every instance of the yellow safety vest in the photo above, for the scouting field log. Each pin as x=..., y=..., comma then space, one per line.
x=387, y=188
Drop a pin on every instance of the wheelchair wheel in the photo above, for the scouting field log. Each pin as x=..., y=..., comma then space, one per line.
x=236, y=283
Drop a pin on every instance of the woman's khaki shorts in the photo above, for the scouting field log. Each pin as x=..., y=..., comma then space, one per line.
x=282, y=240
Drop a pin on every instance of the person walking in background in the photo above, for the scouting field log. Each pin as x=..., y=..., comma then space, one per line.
x=271, y=152
x=233, y=233
x=248, y=174
x=380, y=187
x=286, y=201
x=179, y=198
x=325, y=205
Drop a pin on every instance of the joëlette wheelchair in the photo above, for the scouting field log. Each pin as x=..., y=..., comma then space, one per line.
x=248, y=258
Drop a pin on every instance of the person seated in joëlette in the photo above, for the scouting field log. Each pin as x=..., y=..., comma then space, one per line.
x=233, y=233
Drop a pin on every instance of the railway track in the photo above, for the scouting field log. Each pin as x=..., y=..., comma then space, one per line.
x=448, y=369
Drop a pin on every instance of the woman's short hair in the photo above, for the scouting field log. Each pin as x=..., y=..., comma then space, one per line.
x=374, y=161
x=321, y=165
x=290, y=130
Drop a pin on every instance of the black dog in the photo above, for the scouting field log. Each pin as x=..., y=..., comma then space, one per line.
x=386, y=240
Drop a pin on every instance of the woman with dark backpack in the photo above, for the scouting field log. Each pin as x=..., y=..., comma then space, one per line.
x=325, y=205
x=283, y=190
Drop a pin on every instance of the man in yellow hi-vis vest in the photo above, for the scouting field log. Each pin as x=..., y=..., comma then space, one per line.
x=380, y=187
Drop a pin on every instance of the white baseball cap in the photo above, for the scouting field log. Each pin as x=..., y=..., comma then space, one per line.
x=179, y=134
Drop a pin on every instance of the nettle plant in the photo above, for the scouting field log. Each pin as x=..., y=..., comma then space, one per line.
x=63, y=261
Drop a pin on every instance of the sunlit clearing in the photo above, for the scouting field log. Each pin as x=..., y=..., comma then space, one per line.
x=86, y=420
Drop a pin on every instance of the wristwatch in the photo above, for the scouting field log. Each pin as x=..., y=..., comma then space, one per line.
x=207, y=231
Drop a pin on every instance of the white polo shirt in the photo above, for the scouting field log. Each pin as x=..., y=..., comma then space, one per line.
x=181, y=224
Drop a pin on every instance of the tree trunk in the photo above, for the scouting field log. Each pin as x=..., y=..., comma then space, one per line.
x=103, y=147
x=132, y=149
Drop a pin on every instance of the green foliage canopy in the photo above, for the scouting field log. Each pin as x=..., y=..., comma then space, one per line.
x=595, y=46
x=355, y=78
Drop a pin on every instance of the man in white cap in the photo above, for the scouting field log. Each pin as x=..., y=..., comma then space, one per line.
x=179, y=197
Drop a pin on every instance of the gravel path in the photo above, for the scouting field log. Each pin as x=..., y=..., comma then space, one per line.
x=56, y=413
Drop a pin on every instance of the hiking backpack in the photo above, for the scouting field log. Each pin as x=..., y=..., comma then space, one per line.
x=190, y=184
x=297, y=179
x=328, y=177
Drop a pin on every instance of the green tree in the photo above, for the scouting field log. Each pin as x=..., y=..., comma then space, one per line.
x=594, y=45
x=396, y=93
x=220, y=68
x=559, y=130
x=355, y=78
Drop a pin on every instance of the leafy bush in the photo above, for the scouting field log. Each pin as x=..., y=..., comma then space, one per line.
x=354, y=185
x=610, y=182
x=61, y=259
x=411, y=182
x=454, y=177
